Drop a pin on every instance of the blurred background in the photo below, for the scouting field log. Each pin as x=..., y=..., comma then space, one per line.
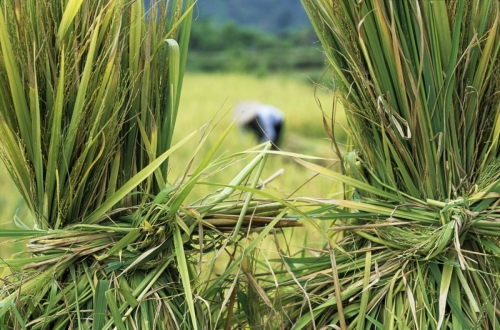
x=263, y=51
x=240, y=50
x=258, y=37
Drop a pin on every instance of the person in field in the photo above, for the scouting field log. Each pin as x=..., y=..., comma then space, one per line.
x=263, y=120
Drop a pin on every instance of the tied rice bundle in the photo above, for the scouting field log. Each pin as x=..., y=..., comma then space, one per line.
x=417, y=232
x=89, y=93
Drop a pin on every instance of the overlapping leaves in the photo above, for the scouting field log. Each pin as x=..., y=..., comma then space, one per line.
x=417, y=243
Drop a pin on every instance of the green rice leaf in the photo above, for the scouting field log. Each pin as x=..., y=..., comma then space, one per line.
x=36, y=133
x=52, y=300
x=365, y=295
x=129, y=298
x=443, y=292
x=18, y=233
x=379, y=325
x=115, y=312
x=55, y=141
x=100, y=304
x=72, y=7
x=184, y=274
x=19, y=319
x=16, y=87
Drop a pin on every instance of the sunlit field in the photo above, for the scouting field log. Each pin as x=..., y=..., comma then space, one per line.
x=211, y=98
x=207, y=97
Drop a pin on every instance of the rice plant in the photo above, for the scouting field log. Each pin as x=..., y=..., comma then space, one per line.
x=415, y=240
x=89, y=95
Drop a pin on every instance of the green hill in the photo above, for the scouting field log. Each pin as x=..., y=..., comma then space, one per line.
x=264, y=15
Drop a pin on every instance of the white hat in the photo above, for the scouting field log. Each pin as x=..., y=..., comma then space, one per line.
x=246, y=111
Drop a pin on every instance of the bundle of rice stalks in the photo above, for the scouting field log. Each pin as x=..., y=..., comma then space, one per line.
x=418, y=229
x=89, y=92
x=137, y=266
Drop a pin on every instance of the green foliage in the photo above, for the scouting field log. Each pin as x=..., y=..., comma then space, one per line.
x=416, y=238
x=231, y=48
x=208, y=37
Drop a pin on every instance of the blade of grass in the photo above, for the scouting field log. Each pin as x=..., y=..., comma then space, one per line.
x=115, y=312
x=16, y=87
x=443, y=292
x=72, y=7
x=100, y=304
x=54, y=147
x=184, y=274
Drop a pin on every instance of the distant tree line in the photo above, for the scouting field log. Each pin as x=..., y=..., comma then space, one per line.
x=232, y=47
x=269, y=16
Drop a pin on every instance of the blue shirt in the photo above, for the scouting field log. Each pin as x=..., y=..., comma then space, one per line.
x=268, y=117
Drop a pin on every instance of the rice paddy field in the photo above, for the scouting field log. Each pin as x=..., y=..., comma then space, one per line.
x=207, y=97
x=211, y=98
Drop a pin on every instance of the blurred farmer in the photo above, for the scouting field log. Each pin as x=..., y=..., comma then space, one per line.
x=264, y=120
